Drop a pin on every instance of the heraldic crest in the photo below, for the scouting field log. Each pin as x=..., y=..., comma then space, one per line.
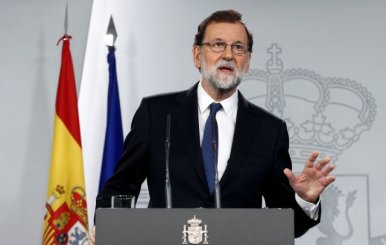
x=194, y=233
x=67, y=220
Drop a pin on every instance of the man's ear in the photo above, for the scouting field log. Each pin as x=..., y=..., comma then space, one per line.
x=248, y=63
x=196, y=56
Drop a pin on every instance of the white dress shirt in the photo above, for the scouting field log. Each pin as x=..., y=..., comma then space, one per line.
x=226, y=121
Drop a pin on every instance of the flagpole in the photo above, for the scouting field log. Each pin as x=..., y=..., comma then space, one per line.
x=65, y=35
x=66, y=20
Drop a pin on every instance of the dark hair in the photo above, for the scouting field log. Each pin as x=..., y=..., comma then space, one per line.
x=227, y=16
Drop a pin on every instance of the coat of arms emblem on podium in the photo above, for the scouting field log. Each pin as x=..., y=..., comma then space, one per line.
x=194, y=233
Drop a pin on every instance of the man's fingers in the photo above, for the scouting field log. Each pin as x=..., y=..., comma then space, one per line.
x=311, y=159
x=328, y=169
x=91, y=236
x=329, y=180
x=322, y=163
x=290, y=175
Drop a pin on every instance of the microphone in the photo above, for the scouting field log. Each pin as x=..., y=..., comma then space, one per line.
x=168, y=188
x=217, y=193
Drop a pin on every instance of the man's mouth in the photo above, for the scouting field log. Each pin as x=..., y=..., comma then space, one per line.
x=226, y=68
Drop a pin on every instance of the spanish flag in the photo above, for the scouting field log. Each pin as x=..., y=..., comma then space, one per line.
x=65, y=221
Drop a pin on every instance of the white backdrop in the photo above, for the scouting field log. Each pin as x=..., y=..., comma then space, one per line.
x=328, y=73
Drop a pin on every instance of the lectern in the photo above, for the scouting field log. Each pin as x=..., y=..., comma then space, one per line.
x=194, y=226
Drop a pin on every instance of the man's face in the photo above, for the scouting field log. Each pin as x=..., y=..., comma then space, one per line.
x=222, y=70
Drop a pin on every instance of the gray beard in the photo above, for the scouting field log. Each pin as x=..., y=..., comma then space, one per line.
x=221, y=81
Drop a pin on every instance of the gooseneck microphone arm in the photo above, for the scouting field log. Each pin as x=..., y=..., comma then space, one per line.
x=168, y=188
x=217, y=192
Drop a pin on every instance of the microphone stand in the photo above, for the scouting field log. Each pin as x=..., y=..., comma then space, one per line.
x=168, y=188
x=217, y=193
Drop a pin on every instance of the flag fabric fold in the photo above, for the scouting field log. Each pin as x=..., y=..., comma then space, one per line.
x=65, y=221
x=114, y=132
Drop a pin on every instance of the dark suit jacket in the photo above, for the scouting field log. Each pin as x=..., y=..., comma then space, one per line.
x=255, y=167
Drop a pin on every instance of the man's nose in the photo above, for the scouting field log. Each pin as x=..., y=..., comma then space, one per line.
x=228, y=54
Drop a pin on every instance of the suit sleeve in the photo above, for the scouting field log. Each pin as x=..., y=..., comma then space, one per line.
x=279, y=193
x=131, y=169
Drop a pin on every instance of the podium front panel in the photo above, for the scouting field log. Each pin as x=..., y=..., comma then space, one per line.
x=194, y=226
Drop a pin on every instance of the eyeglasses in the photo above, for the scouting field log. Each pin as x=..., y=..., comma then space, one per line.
x=220, y=46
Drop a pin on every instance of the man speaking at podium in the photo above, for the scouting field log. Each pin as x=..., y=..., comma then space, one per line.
x=215, y=132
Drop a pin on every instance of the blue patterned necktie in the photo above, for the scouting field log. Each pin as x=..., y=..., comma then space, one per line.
x=207, y=150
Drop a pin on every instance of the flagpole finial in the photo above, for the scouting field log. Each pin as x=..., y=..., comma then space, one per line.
x=111, y=34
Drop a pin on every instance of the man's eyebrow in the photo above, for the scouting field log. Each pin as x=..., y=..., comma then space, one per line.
x=222, y=40
x=219, y=39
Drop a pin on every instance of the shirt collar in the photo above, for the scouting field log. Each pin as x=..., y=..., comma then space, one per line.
x=204, y=100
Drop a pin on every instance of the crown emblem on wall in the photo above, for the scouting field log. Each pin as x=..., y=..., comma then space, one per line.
x=322, y=113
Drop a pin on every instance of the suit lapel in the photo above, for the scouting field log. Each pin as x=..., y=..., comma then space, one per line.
x=186, y=117
x=246, y=129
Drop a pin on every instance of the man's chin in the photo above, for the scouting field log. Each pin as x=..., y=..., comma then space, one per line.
x=226, y=87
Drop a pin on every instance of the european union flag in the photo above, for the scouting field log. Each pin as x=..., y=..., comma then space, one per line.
x=114, y=133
